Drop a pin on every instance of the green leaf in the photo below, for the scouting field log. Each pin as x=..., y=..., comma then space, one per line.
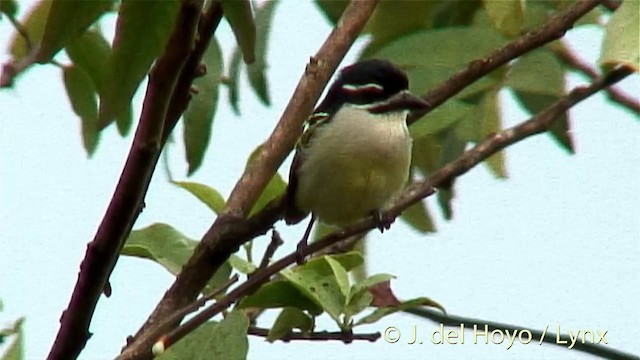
x=234, y=78
x=491, y=123
x=317, y=280
x=218, y=279
x=91, y=52
x=162, y=244
x=417, y=216
x=620, y=45
x=257, y=70
x=15, y=351
x=82, y=95
x=9, y=7
x=66, y=21
x=506, y=15
x=341, y=276
x=290, y=318
x=224, y=340
x=238, y=14
x=410, y=304
x=358, y=303
x=209, y=196
x=198, y=119
x=241, y=264
x=456, y=48
x=560, y=130
x=142, y=31
x=280, y=294
x=440, y=118
x=350, y=260
x=385, y=27
x=538, y=72
x=332, y=9
x=274, y=188
x=33, y=23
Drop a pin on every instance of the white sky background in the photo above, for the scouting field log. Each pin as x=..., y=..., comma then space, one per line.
x=556, y=244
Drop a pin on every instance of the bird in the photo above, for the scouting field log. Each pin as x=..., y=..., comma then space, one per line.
x=354, y=154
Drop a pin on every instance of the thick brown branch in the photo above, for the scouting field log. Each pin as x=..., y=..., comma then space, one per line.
x=202, y=264
x=102, y=253
x=547, y=337
x=614, y=93
x=414, y=193
x=317, y=336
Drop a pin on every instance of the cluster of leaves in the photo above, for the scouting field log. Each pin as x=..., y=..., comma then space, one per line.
x=103, y=76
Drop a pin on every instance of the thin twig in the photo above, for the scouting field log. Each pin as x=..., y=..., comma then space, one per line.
x=276, y=241
x=416, y=192
x=543, y=336
x=102, y=253
x=614, y=93
x=317, y=336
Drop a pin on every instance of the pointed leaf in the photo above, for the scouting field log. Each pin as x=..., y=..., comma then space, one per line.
x=142, y=31
x=560, y=129
x=506, y=15
x=209, y=196
x=538, y=72
x=238, y=14
x=82, y=95
x=9, y=7
x=15, y=351
x=341, y=276
x=367, y=283
x=274, y=188
x=456, y=48
x=290, y=318
x=33, y=23
x=410, y=304
x=280, y=294
x=224, y=340
x=491, y=123
x=440, y=118
x=162, y=244
x=317, y=280
x=417, y=216
x=198, y=119
x=241, y=264
x=68, y=20
x=620, y=45
x=234, y=78
x=257, y=70
x=91, y=52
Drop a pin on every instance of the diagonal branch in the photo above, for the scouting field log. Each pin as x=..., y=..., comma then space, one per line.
x=614, y=93
x=317, y=336
x=203, y=263
x=126, y=203
x=541, y=336
x=539, y=123
x=552, y=30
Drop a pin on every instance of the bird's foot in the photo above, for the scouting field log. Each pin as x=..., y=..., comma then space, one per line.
x=382, y=219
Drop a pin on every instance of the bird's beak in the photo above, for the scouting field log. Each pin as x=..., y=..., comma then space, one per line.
x=408, y=101
x=403, y=100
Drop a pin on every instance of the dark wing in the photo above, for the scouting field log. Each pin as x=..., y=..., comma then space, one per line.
x=293, y=214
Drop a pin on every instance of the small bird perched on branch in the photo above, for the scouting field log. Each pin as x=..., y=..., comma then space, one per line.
x=355, y=152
